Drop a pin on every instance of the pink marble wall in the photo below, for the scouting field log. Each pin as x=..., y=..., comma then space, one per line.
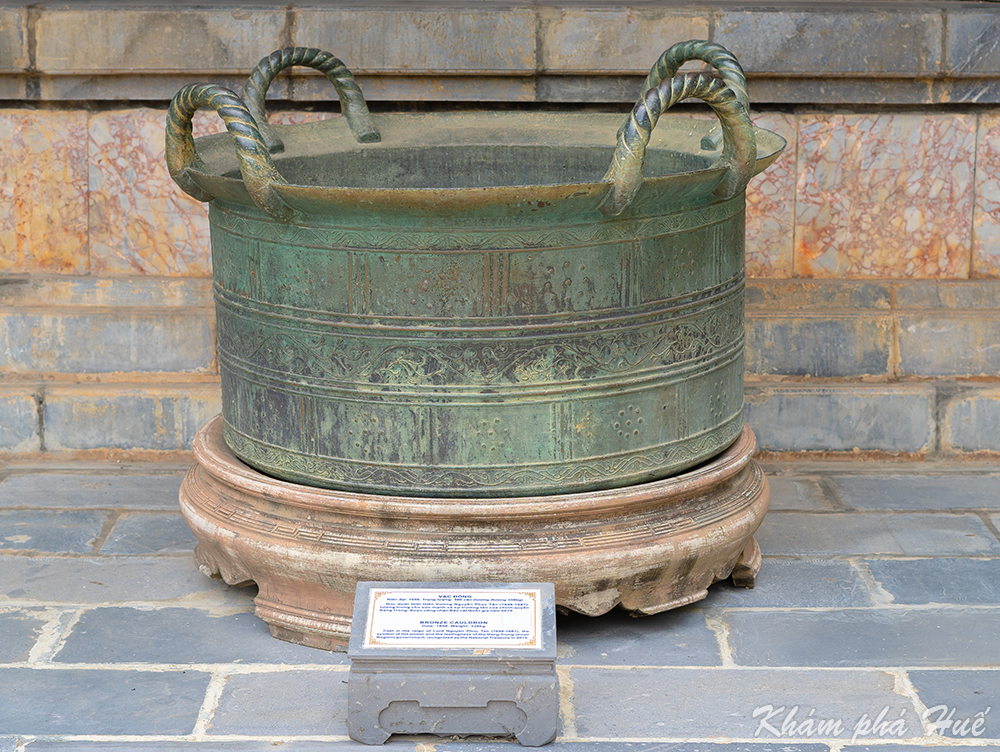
x=986, y=233
x=771, y=206
x=885, y=196
x=43, y=191
x=140, y=221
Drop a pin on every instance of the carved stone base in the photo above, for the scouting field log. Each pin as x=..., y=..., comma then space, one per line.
x=646, y=548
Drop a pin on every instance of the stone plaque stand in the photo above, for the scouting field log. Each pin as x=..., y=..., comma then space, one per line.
x=453, y=658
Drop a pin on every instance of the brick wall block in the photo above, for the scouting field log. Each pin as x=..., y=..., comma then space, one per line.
x=972, y=40
x=13, y=45
x=161, y=418
x=850, y=295
x=149, y=341
x=156, y=40
x=151, y=292
x=972, y=421
x=831, y=40
x=19, y=420
x=795, y=418
x=950, y=345
x=577, y=40
x=448, y=40
x=828, y=345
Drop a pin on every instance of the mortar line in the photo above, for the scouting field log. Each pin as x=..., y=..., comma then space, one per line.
x=833, y=742
x=567, y=698
x=206, y=714
x=879, y=595
x=273, y=739
x=232, y=669
x=721, y=631
x=53, y=637
x=203, y=605
x=831, y=494
x=923, y=741
x=40, y=417
x=903, y=686
x=985, y=517
x=13, y=606
x=975, y=182
x=106, y=528
x=880, y=607
x=796, y=121
x=834, y=669
x=33, y=554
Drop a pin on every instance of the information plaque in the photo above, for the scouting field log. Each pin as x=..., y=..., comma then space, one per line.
x=451, y=618
x=453, y=658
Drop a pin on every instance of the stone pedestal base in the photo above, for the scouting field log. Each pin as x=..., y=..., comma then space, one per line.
x=647, y=548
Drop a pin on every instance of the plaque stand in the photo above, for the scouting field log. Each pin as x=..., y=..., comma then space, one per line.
x=646, y=548
x=447, y=671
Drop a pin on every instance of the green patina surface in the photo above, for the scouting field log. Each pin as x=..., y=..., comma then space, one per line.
x=466, y=307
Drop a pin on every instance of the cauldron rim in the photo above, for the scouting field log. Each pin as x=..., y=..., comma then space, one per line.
x=424, y=131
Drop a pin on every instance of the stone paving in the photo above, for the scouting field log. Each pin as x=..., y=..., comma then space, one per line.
x=875, y=617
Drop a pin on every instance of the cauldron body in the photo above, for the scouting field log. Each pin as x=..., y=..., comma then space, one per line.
x=453, y=310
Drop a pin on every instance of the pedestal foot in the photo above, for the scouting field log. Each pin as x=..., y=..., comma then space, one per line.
x=746, y=569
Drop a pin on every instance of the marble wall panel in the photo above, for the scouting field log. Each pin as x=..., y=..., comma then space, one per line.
x=140, y=221
x=986, y=243
x=43, y=191
x=771, y=206
x=885, y=195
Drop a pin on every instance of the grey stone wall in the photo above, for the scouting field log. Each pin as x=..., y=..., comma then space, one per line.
x=873, y=320
x=847, y=52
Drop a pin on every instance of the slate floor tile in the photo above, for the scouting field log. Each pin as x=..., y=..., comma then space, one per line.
x=865, y=637
x=800, y=495
x=299, y=703
x=568, y=745
x=78, y=702
x=957, y=696
x=76, y=491
x=202, y=746
x=19, y=631
x=789, y=583
x=139, y=533
x=107, y=579
x=673, y=638
x=180, y=635
x=917, y=492
x=861, y=533
x=917, y=747
x=676, y=703
x=966, y=582
x=51, y=531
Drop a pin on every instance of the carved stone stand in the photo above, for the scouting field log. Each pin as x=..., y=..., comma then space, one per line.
x=648, y=547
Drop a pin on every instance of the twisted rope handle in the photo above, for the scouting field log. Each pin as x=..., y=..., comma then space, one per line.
x=714, y=54
x=352, y=101
x=739, y=152
x=259, y=173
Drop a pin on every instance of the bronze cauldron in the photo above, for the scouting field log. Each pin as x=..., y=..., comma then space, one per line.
x=475, y=304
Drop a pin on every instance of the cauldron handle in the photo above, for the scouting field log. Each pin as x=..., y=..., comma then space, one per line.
x=739, y=151
x=352, y=102
x=259, y=173
x=715, y=55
